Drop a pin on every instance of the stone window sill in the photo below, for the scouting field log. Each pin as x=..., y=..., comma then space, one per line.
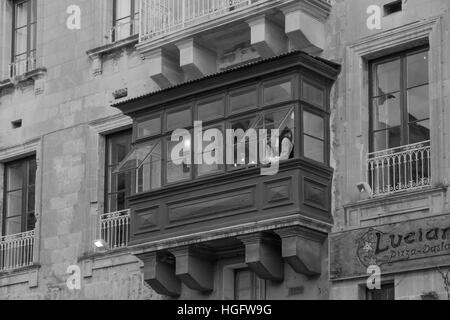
x=96, y=54
x=29, y=76
x=22, y=275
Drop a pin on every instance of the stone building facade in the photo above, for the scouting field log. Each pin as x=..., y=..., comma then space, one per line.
x=80, y=87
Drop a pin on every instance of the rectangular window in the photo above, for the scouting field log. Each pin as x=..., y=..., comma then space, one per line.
x=19, y=196
x=400, y=112
x=387, y=292
x=24, y=37
x=400, y=123
x=126, y=19
x=314, y=136
x=247, y=286
x=117, y=185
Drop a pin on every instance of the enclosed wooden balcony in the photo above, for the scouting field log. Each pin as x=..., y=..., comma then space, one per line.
x=186, y=212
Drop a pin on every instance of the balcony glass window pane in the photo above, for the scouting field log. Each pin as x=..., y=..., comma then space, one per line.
x=22, y=14
x=314, y=148
x=243, y=100
x=13, y=225
x=123, y=8
x=313, y=94
x=178, y=166
x=278, y=93
x=31, y=221
x=386, y=139
x=386, y=78
x=418, y=104
x=211, y=110
x=14, y=203
x=386, y=111
x=149, y=173
x=208, y=153
x=21, y=39
x=14, y=177
x=419, y=131
x=313, y=125
x=244, y=139
x=150, y=127
x=417, y=65
x=179, y=120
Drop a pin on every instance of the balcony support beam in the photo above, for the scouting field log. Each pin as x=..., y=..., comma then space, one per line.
x=302, y=249
x=164, y=68
x=159, y=273
x=263, y=255
x=194, y=268
x=267, y=37
x=304, y=31
x=195, y=59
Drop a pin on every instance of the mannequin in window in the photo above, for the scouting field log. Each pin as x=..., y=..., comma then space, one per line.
x=286, y=147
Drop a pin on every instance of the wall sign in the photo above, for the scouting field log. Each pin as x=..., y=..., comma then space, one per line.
x=396, y=247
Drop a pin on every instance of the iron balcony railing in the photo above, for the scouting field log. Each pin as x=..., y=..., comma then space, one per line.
x=21, y=66
x=399, y=169
x=16, y=251
x=115, y=229
x=162, y=17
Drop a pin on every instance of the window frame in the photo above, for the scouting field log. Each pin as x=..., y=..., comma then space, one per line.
x=108, y=166
x=25, y=170
x=31, y=36
x=403, y=93
x=134, y=10
x=296, y=102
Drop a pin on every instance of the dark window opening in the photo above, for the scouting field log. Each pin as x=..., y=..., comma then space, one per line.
x=387, y=292
x=19, y=196
x=117, y=185
x=16, y=124
x=393, y=7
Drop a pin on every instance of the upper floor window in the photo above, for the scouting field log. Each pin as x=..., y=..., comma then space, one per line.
x=400, y=157
x=117, y=186
x=236, y=130
x=125, y=19
x=19, y=197
x=24, y=37
x=400, y=111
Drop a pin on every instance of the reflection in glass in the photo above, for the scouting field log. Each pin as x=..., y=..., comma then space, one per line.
x=386, y=111
x=387, y=78
x=148, y=174
x=313, y=94
x=209, y=153
x=150, y=127
x=175, y=171
x=419, y=131
x=314, y=148
x=179, y=120
x=418, y=104
x=386, y=139
x=417, y=69
x=278, y=93
x=243, y=101
x=211, y=110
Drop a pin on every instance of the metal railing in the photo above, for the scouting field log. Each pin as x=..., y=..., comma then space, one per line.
x=162, y=17
x=115, y=229
x=399, y=169
x=16, y=251
x=21, y=66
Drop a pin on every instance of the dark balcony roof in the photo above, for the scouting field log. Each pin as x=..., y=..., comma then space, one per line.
x=325, y=67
